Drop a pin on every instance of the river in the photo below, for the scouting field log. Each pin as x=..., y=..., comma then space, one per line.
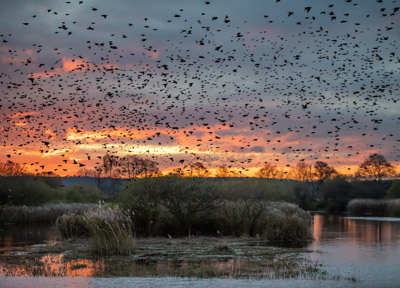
x=366, y=249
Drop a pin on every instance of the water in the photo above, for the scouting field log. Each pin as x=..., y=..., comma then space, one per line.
x=367, y=247
x=364, y=248
x=17, y=236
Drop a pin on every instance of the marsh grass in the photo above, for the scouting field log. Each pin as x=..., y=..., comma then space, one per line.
x=45, y=213
x=72, y=225
x=273, y=221
x=376, y=207
x=110, y=229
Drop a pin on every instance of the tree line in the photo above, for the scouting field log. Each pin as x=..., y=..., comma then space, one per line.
x=374, y=168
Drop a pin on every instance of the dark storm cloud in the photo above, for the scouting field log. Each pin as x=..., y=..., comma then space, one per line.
x=265, y=69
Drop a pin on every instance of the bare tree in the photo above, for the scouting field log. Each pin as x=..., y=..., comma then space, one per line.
x=110, y=162
x=306, y=189
x=222, y=171
x=134, y=166
x=268, y=171
x=150, y=167
x=198, y=169
x=12, y=169
x=85, y=172
x=302, y=172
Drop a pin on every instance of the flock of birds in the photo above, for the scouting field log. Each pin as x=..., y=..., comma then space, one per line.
x=277, y=85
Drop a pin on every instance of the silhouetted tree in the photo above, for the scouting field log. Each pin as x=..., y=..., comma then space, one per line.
x=336, y=193
x=109, y=164
x=189, y=199
x=268, y=171
x=12, y=169
x=198, y=169
x=222, y=171
x=375, y=168
x=323, y=171
x=307, y=190
x=85, y=172
x=394, y=190
x=302, y=172
x=134, y=166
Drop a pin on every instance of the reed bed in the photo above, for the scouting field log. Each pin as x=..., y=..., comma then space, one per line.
x=110, y=229
x=375, y=207
x=273, y=221
x=286, y=222
x=45, y=213
x=394, y=207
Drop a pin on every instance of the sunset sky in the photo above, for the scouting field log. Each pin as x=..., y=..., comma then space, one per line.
x=240, y=83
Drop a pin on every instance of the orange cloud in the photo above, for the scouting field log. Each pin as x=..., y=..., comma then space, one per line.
x=21, y=123
x=46, y=74
x=23, y=114
x=73, y=64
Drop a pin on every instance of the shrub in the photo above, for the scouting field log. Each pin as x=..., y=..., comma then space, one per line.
x=26, y=190
x=185, y=202
x=287, y=223
x=79, y=193
x=143, y=197
x=394, y=190
x=189, y=200
x=336, y=193
x=256, y=188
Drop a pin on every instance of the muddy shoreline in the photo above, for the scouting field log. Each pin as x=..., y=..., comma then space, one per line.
x=200, y=257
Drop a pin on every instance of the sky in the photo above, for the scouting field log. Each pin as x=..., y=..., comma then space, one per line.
x=236, y=83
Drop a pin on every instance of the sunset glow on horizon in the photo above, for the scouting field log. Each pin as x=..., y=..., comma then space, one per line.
x=233, y=84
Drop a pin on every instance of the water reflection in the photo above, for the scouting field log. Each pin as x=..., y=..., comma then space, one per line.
x=13, y=236
x=360, y=231
x=58, y=266
x=53, y=266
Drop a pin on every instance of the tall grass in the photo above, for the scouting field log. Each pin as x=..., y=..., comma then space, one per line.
x=110, y=229
x=72, y=225
x=375, y=207
x=45, y=213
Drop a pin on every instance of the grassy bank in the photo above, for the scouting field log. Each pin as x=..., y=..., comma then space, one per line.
x=374, y=207
x=45, y=213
